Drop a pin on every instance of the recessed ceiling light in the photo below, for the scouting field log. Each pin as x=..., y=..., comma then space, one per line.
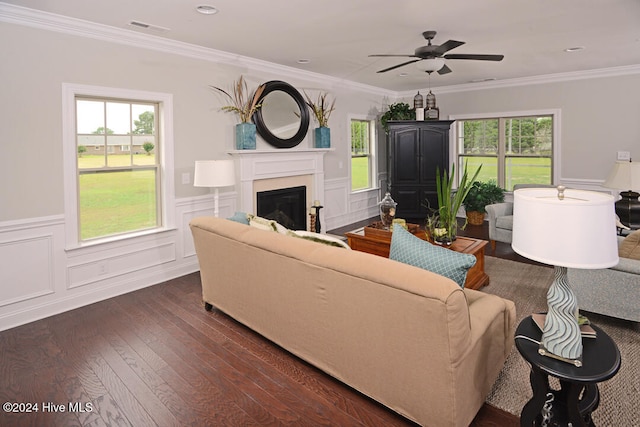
x=403, y=74
x=205, y=9
x=574, y=49
x=304, y=61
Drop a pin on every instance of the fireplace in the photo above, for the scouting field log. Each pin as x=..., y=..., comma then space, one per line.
x=287, y=206
x=266, y=170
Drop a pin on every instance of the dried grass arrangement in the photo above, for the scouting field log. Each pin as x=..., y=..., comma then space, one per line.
x=321, y=108
x=244, y=103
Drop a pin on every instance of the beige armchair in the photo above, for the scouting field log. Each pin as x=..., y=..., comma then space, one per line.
x=500, y=216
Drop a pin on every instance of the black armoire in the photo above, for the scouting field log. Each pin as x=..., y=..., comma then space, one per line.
x=416, y=149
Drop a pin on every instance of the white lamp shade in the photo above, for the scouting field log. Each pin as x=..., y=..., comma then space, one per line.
x=430, y=64
x=578, y=231
x=624, y=176
x=214, y=173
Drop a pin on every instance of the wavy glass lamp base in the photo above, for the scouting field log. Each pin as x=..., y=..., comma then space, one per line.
x=561, y=337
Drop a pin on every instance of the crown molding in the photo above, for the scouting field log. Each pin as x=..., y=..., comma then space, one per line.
x=81, y=28
x=534, y=80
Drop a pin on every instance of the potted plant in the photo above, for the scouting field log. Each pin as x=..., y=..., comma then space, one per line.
x=397, y=111
x=321, y=110
x=442, y=224
x=480, y=195
x=244, y=104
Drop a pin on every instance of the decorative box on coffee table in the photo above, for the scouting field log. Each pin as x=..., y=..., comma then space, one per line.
x=374, y=239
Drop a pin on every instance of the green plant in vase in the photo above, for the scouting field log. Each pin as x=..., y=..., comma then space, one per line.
x=480, y=195
x=397, y=111
x=442, y=224
x=321, y=109
x=244, y=104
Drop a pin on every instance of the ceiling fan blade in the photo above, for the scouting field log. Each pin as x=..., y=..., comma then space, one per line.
x=390, y=55
x=474, y=56
x=399, y=65
x=444, y=70
x=447, y=46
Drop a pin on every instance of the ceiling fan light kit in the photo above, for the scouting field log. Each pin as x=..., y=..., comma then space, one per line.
x=430, y=65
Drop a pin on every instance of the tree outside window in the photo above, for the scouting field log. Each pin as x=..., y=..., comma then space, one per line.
x=361, y=155
x=512, y=150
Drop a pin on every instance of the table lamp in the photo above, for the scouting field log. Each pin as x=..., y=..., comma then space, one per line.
x=626, y=176
x=216, y=174
x=564, y=228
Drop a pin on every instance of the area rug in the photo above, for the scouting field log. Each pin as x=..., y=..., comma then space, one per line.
x=526, y=286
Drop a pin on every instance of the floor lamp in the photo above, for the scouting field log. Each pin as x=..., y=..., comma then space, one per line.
x=564, y=228
x=215, y=174
x=626, y=176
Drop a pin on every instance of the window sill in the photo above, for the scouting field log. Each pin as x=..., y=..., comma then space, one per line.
x=365, y=190
x=128, y=238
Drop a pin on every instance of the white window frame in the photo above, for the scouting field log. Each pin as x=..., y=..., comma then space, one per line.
x=373, y=171
x=554, y=112
x=70, y=154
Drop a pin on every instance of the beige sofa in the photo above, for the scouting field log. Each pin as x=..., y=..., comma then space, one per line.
x=408, y=338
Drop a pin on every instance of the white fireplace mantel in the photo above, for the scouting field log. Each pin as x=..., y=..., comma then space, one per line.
x=255, y=165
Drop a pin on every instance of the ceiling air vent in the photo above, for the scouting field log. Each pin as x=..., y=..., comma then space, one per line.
x=145, y=26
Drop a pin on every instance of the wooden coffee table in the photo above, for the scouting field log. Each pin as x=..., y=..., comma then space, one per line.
x=378, y=242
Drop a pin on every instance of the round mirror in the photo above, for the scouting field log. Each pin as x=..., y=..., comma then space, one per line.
x=283, y=118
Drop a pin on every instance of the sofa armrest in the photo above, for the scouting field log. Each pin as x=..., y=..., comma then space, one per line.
x=499, y=209
x=627, y=265
x=493, y=212
x=483, y=309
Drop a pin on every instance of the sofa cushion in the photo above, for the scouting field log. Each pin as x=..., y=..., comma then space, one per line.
x=409, y=249
x=319, y=238
x=240, y=217
x=630, y=246
x=505, y=222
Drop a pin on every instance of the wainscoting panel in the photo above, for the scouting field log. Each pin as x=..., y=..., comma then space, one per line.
x=187, y=209
x=344, y=207
x=20, y=283
x=108, y=267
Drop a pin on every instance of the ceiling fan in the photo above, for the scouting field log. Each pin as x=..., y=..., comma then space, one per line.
x=431, y=58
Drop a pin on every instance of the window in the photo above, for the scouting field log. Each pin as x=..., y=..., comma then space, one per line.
x=122, y=186
x=362, y=159
x=513, y=149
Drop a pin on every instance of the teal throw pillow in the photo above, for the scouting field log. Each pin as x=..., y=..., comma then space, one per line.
x=409, y=249
x=240, y=217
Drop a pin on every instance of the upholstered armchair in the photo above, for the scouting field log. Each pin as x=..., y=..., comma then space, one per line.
x=500, y=216
x=613, y=291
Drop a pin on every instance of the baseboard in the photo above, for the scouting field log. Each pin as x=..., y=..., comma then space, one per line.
x=69, y=302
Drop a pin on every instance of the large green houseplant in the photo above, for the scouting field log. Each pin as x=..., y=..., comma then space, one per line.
x=479, y=196
x=397, y=111
x=442, y=224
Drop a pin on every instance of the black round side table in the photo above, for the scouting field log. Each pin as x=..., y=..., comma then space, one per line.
x=600, y=362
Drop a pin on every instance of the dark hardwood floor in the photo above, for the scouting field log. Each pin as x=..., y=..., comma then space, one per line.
x=156, y=357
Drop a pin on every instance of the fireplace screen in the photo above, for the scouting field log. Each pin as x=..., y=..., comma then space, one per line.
x=287, y=206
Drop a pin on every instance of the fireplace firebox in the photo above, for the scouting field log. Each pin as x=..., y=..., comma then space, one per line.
x=287, y=206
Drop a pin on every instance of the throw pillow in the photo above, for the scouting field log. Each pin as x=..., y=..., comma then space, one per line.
x=319, y=238
x=409, y=249
x=266, y=224
x=630, y=246
x=240, y=217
